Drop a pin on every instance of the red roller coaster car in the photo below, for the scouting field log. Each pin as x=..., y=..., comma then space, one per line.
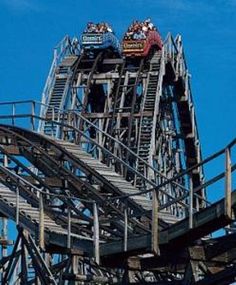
x=141, y=47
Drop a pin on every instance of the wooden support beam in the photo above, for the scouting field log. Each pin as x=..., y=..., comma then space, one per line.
x=205, y=221
x=41, y=222
x=192, y=269
x=155, y=234
x=11, y=149
x=4, y=235
x=24, y=266
x=122, y=115
x=190, y=202
x=32, y=118
x=224, y=277
x=90, y=278
x=17, y=206
x=126, y=230
x=69, y=228
x=75, y=266
x=228, y=184
x=96, y=234
x=40, y=266
x=13, y=256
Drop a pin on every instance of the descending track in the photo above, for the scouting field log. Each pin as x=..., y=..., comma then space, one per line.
x=150, y=105
x=59, y=94
x=108, y=181
x=29, y=217
x=139, y=106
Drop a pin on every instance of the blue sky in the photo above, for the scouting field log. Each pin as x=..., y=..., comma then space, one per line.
x=31, y=28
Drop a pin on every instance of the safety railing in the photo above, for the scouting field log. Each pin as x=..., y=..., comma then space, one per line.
x=21, y=168
x=170, y=49
x=224, y=179
x=41, y=195
x=69, y=123
x=186, y=198
x=65, y=47
x=174, y=52
x=21, y=187
x=225, y=175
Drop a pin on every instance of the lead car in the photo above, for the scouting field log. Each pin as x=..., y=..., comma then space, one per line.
x=140, y=38
x=97, y=37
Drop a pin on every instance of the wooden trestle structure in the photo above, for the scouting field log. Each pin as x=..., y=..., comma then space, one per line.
x=104, y=178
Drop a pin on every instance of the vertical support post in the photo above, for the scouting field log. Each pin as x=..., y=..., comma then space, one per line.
x=135, y=175
x=4, y=219
x=53, y=114
x=96, y=233
x=17, y=205
x=69, y=228
x=193, y=118
x=33, y=115
x=75, y=266
x=13, y=113
x=61, y=128
x=155, y=234
x=228, y=183
x=52, y=121
x=126, y=230
x=24, y=267
x=41, y=222
x=197, y=201
x=190, y=202
x=5, y=161
x=100, y=154
x=55, y=55
x=4, y=236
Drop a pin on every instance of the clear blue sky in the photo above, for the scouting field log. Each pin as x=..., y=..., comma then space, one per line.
x=31, y=28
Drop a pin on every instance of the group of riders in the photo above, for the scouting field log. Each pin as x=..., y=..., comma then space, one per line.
x=98, y=28
x=137, y=30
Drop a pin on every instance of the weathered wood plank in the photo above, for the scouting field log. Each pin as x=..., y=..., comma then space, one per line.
x=179, y=234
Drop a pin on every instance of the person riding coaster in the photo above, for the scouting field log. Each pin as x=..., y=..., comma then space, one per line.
x=99, y=37
x=140, y=38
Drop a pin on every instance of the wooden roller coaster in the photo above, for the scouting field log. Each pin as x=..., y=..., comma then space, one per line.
x=104, y=178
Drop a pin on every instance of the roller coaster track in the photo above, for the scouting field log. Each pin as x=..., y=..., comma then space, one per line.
x=176, y=233
x=82, y=161
x=55, y=234
x=150, y=104
x=186, y=111
x=60, y=89
x=111, y=181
